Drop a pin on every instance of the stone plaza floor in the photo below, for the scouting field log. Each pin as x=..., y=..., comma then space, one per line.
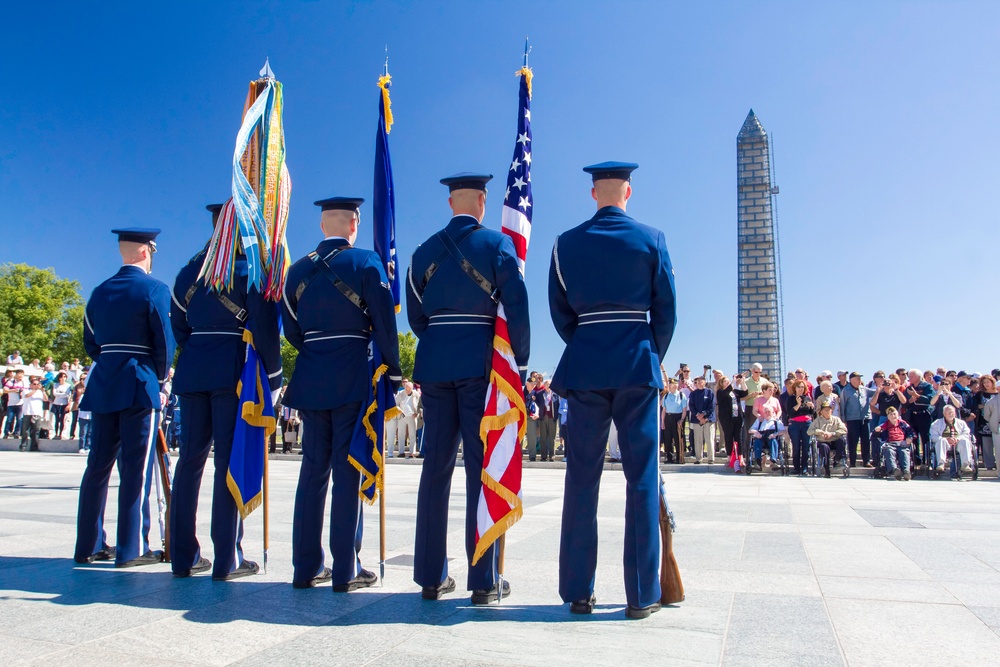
x=777, y=571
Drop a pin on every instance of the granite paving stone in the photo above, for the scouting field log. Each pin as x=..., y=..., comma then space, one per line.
x=777, y=571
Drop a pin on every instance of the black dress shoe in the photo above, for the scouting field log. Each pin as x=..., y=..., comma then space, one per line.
x=148, y=558
x=245, y=569
x=435, y=592
x=362, y=579
x=642, y=612
x=203, y=565
x=583, y=606
x=103, y=554
x=321, y=578
x=489, y=596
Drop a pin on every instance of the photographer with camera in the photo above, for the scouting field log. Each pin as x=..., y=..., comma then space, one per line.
x=889, y=396
x=943, y=398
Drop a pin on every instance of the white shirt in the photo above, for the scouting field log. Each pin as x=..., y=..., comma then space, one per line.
x=14, y=398
x=61, y=393
x=407, y=403
x=33, y=402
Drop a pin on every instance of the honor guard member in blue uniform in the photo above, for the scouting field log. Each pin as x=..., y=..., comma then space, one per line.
x=126, y=332
x=209, y=329
x=606, y=276
x=455, y=282
x=336, y=300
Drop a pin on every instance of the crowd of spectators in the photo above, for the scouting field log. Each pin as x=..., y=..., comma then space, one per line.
x=932, y=415
x=917, y=419
x=41, y=401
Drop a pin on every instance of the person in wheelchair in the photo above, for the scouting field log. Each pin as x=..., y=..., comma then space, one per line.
x=831, y=434
x=896, y=438
x=950, y=432
x=766, y=427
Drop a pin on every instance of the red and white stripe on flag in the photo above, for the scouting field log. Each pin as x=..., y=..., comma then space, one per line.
x=504, y=418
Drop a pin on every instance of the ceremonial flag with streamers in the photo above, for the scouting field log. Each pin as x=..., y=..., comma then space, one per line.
x=254, y=426
x=261, y=190
x=384, y=204
x=503, y=423
x=365, y=452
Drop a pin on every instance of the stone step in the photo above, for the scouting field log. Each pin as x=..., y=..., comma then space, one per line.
x=71, y=447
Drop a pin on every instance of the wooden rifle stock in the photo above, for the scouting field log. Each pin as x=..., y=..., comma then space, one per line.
x=671, y=586
x=161, y=454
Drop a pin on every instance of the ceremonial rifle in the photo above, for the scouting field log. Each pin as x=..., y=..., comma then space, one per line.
x=267, y=531
x=381, y=524
x=161, y=459
x=671, y=586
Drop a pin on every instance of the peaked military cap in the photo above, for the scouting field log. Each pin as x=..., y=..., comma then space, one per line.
x=467, y=181
x=340, y=203
x=602, y=170
x=137, y=234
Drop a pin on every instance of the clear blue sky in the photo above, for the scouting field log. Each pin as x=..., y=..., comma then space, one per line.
x=883, y=115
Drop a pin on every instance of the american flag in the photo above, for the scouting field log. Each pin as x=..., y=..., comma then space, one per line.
x=503, y=422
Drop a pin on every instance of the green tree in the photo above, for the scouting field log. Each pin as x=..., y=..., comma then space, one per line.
x=407, y=353
x=41, y=314
x=288, y=356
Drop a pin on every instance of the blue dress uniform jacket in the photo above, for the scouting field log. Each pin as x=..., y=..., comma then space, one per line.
x=213, y=354
x=454, y=319
x=331, y=333
x=611, y=268
x=211, y=336
x=127, y=333
x=452, y=316
x=605, y=276
x=329, y=387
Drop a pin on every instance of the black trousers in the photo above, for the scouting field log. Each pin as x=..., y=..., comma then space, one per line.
x=29, y=432
x=858, y=429
x=730, y=433
x=748, y=420
x=921, y=423
x=672, y=445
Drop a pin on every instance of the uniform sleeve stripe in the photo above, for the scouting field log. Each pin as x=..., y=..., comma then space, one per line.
x=284, y=297
x=177, y=303
x=555, y=258
x=275, y=374
x=409, y=276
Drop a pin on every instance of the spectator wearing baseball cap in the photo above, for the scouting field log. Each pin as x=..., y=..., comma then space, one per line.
x=841, y=383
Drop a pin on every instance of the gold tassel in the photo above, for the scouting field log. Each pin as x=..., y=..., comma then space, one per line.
x=527, y=74
x=383, y=83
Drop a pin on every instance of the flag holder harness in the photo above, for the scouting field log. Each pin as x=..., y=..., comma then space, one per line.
x=233, y=307
x=451, y=248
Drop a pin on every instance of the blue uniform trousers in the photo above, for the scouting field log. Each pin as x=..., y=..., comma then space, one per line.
x=326, y=440
x=634, y=411
x=124, y=436
x=208, y=416
x=451, y=410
